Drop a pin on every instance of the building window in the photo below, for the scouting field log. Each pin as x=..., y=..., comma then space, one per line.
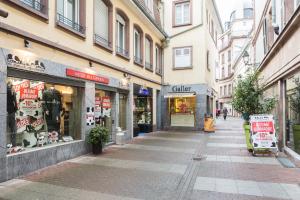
x=71, y=15
x=148, y=53
x=42, y=113
x=138, y=44
x=223, y=59
x=182, y=13
x=221, y=91
x=103, y=23
x=36, y=7
x=225, y=90
x=158, y=59
x=182, y=57
x=122, y=34
x=229, y=89
x=248, y=13
x=223, y=72
x=149, y=6
x=229, y=56
x=265, y=35
x=207, y=61
x=297, y=3
x=212, y=29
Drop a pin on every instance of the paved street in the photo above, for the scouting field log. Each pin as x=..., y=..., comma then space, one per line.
x=165, y=165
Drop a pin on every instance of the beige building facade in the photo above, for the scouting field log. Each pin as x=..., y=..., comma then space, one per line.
x=190, y=57
x=67, y=66
x=275, y=47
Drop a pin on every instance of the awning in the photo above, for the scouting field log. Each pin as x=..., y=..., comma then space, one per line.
x=180, y=95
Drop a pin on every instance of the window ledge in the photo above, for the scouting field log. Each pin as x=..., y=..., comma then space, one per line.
x=69, y=29
x=149, y=69
x=123, y=56
x=182, y=68
x=139, y=64
x=103, y=46
x=181, y=25
x=37, y=13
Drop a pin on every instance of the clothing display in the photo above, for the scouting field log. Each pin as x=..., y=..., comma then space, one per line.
x=11, y=113
x=52, y=108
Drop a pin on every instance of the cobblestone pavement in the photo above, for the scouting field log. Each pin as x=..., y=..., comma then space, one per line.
x=165, y=165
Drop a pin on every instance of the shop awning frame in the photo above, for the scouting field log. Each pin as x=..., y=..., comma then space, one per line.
x=179, y=95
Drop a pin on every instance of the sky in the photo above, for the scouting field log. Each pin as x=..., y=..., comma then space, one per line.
x=225, y=8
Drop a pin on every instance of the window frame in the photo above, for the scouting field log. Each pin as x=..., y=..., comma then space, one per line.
x=158, y=59
x=109, y=45
x=81, y=19
x=138, y=60
x=175, y=3
x=191, y=58
x=44, y=16
x=149, y=66
x=125, y=54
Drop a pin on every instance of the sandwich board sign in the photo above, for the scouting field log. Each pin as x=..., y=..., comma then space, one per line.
x=263, y=134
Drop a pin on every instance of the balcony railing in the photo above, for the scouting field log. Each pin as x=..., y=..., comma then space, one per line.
x=70, y=23
x=122, y=51
x=34, y=4
x=102, y=41
x=138, y=60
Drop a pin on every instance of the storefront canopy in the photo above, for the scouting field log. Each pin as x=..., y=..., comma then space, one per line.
x=180, y=95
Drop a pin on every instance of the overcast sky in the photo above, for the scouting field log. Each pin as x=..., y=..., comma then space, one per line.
x=225, y=8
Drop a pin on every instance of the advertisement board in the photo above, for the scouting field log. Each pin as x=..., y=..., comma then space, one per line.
x=263, y=134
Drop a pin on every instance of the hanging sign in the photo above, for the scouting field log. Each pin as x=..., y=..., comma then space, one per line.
x=86, y=76
x=263, y=131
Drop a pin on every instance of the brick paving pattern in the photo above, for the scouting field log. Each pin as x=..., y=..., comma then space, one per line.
x=165, y=165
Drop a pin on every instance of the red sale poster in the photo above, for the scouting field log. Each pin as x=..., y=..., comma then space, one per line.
x=106, y=102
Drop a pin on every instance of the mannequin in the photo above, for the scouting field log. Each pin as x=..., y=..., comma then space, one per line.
x=52, y=107
x=12, y=108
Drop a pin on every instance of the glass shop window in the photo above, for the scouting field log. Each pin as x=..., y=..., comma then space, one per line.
x=103, y=109
x=41, y=114
x=182, y=111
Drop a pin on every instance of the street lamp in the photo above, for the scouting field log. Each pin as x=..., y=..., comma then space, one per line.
x=246, y=58
x=3, y=13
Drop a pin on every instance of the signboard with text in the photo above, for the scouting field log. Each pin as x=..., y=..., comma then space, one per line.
x=263, y=131
x=86, y=76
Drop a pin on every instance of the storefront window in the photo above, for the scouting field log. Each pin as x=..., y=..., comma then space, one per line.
x=122, y=111
x=103, y=112
x=41, y=113
x=182, y=111
x=292, y=137
x=142, y=111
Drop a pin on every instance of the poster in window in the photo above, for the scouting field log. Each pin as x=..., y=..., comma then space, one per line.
x=106, y=106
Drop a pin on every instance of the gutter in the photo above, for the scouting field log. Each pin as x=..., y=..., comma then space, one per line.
x=138, y=4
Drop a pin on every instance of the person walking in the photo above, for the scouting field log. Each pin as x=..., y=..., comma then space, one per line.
x=225, y=112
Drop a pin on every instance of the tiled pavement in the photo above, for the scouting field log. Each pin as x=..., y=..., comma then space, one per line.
x=161, y=166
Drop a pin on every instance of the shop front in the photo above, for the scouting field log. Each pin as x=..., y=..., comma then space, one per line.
x=142, y=109
x=184, y=106
x=49, y=111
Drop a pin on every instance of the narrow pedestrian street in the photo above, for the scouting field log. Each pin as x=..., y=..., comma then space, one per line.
x=165, y=165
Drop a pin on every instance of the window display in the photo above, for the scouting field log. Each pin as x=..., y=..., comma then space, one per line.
x=40, y=113
x=182, y=111
x=103, y=110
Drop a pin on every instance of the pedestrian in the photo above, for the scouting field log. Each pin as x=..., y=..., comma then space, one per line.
x=225, y=111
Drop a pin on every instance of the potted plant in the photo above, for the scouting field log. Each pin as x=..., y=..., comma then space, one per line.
x=98, y=136
x=248, y=100
x=295, y=107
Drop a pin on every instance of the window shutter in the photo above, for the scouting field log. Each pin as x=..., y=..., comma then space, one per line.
x=101, y=19
x=183, y=57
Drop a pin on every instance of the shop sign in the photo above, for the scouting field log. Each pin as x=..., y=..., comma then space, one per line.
x=25, y=62
x=106, y=102
x=263, y=131
x=181, y=88
x=144, y=91
x=86, y=76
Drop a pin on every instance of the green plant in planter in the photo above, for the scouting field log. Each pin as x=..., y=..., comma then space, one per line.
x=98, y=136
x=248, y=100
x=295, y=106
x=248, y=97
